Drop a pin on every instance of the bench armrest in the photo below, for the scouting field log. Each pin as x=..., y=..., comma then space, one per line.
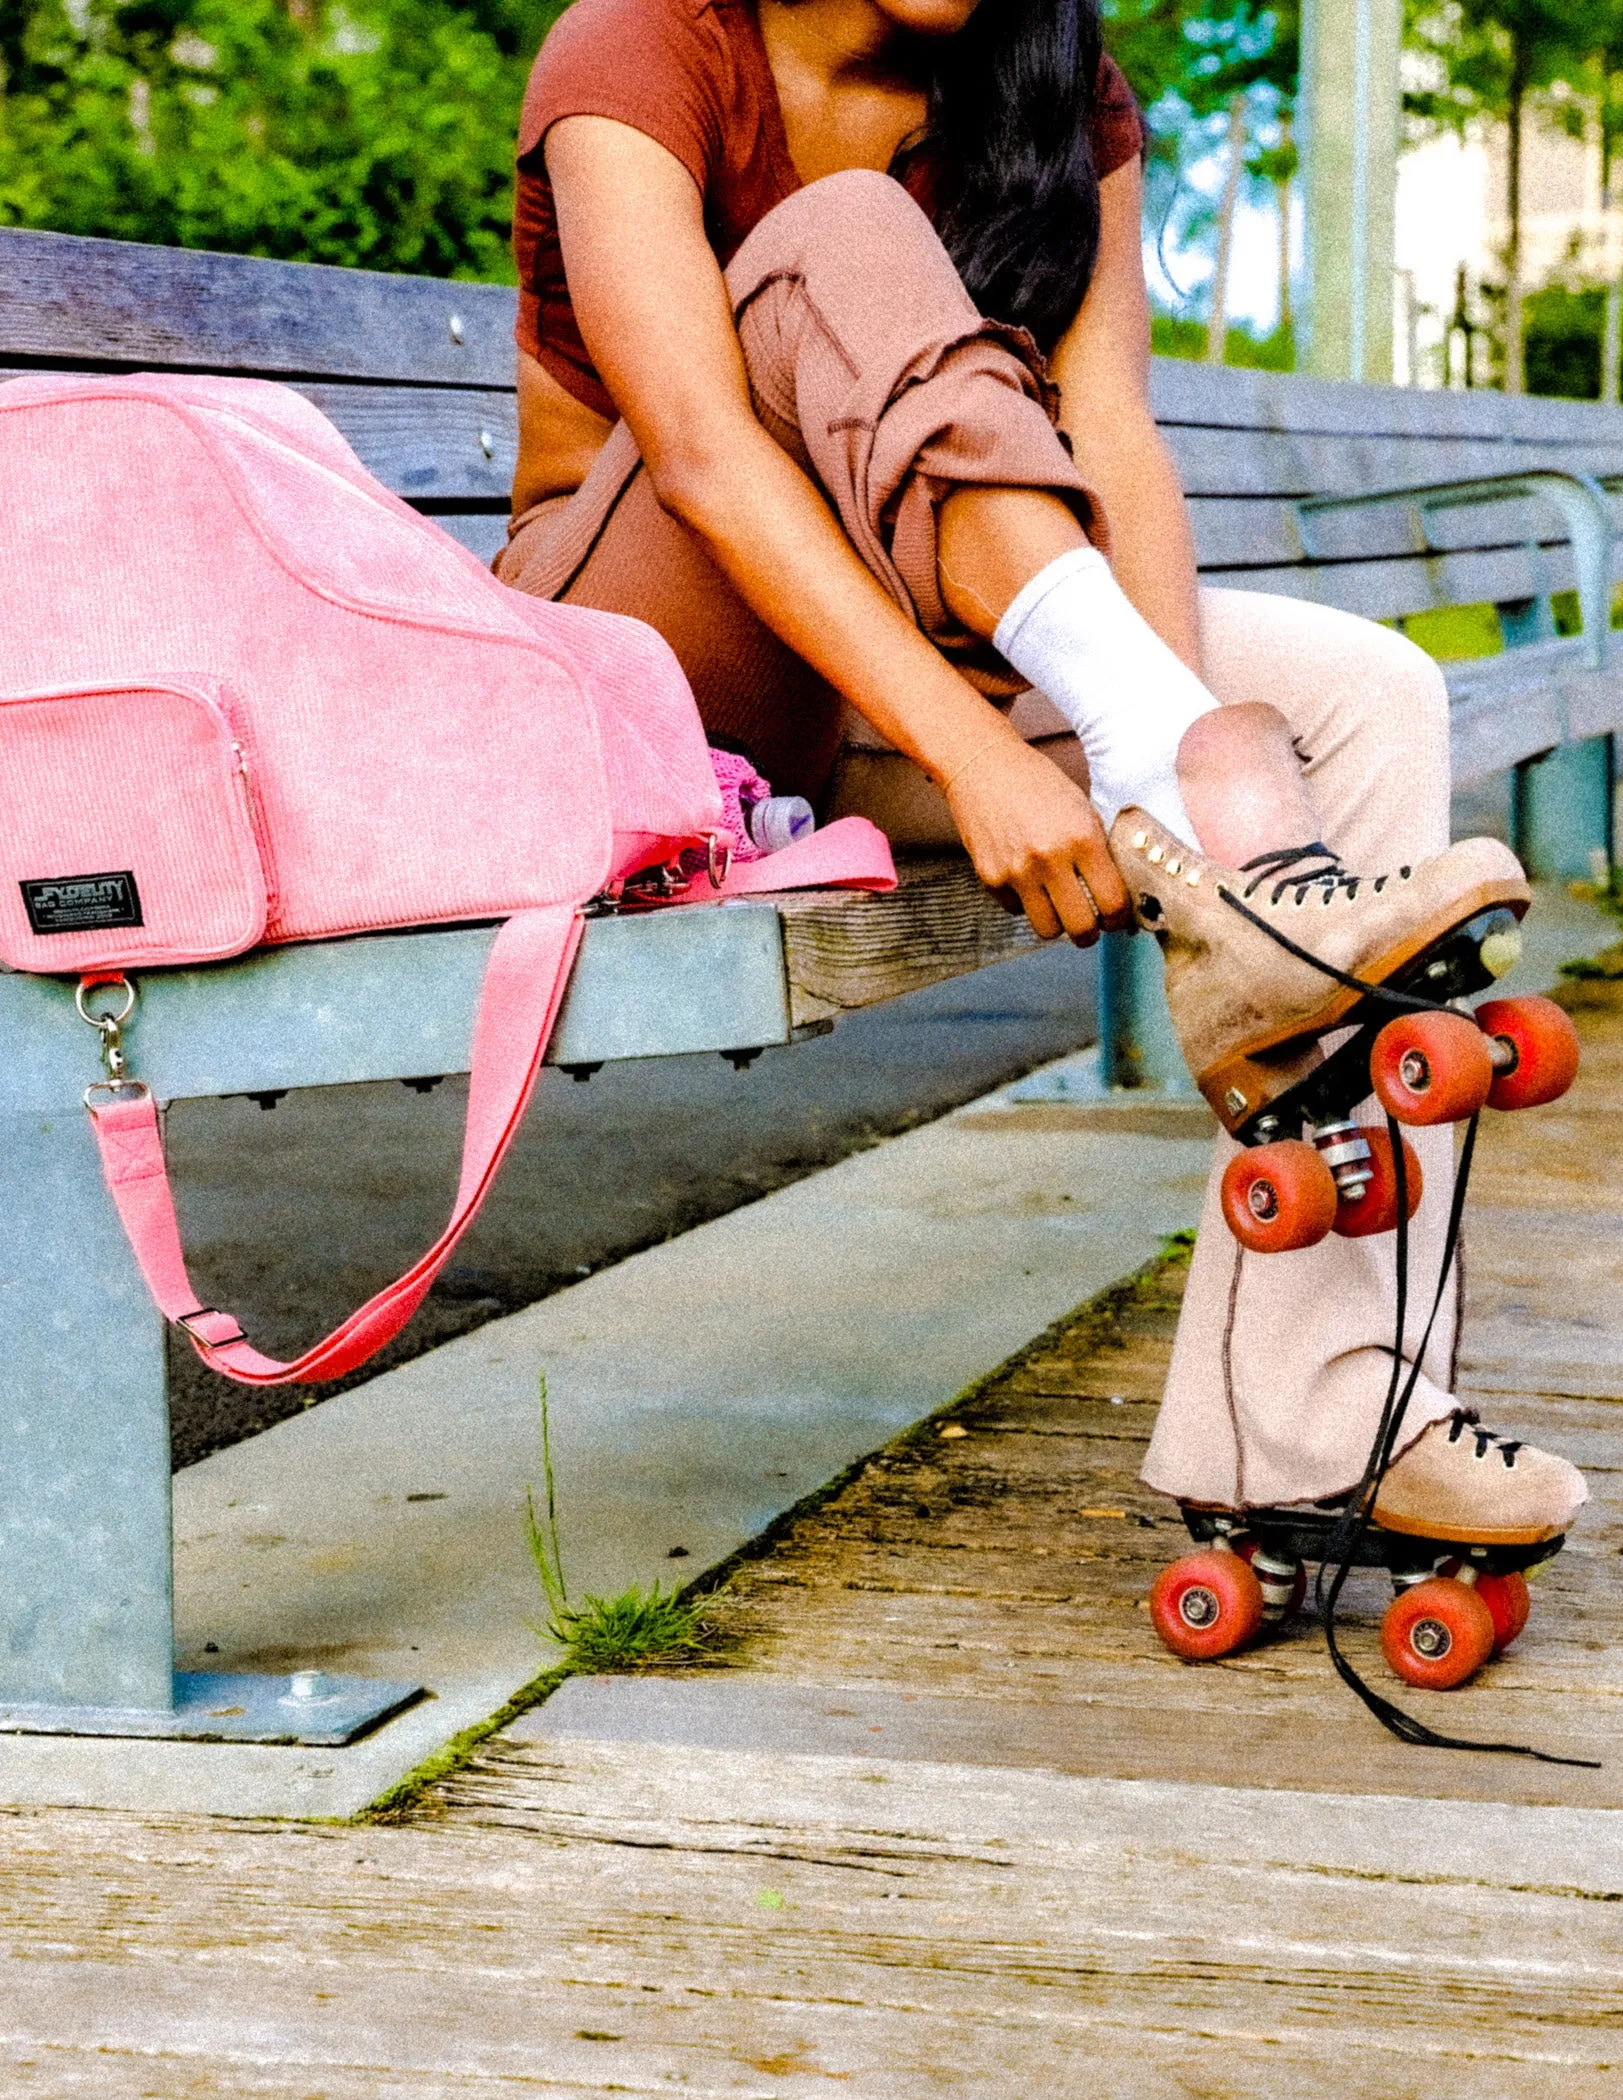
x=1580, y=498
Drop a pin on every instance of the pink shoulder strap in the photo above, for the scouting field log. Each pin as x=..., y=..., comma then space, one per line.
x=523, y=989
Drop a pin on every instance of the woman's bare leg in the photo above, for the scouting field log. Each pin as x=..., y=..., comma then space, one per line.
x=1238, y=771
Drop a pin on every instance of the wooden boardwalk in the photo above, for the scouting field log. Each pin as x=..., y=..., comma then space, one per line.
x=888, y=1851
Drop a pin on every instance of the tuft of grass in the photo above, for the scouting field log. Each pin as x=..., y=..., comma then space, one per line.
x=604, y=1634
x=632, y=1630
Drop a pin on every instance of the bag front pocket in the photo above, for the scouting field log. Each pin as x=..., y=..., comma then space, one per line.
x=126, y=833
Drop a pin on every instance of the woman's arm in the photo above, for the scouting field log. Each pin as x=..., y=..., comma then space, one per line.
x=654, y=313
x=1102, y=365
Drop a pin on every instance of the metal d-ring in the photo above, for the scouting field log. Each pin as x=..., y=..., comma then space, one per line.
x=95, y=984
x=137, y=1087
x=720, y=860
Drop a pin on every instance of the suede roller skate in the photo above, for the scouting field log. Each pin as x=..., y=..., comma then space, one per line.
x=1264, y=961
x=1458, y=1522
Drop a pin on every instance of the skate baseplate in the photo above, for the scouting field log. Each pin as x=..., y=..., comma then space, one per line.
x=1455, y=1605
x=1303, y=1535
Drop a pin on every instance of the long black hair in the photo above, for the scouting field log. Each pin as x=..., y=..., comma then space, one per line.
x=1007, y=137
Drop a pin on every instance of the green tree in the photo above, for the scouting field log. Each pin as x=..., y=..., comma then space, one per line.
x=1221, y=66
x=1602, y=100
x=1488, y=58
x=375, y=133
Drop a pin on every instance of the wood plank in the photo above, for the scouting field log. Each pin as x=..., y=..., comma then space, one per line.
x=1243, y=531
x=1003, y=1574
x=846, y=949
x=65, y=299
x=1187, y=392
x=1260, y=462
x=1388, y=590
x=589, y=1919
x=1506, y=708
x=430, y=444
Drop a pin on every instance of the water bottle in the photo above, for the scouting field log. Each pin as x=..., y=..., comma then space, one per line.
x=779, y=821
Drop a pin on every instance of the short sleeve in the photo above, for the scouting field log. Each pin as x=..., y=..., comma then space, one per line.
x=1117, y=128
x=651, y=64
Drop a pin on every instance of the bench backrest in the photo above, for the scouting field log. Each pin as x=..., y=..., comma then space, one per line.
x=1251, y=445
x=418, y=374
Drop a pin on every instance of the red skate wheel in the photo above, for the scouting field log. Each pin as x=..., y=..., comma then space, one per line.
x=1542, y=1045
x=1508, y=1605
x=1431, y=1068
x=1206, y=1605
x=1437, y=1634
x=1377, y=1208
x=1280, y=1196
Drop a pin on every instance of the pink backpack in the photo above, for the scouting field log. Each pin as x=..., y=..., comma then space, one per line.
x=247, y=695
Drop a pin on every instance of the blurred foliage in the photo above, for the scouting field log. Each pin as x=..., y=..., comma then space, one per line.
x=1187, y=61
x=1564, y=328
x=376, y=133
x=1204, y=51
x=1173, y=336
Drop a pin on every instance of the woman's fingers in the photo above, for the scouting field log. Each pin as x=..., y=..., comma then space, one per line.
x=1045, y=921
x=1034, y=835
x=1109, y=892
x=1070, y=903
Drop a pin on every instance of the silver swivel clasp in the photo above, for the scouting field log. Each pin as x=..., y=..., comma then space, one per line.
x=109, y=1025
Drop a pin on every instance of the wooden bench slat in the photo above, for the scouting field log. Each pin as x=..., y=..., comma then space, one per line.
x=1503, y=709
x=1251, y=530
x=1284, y=463
x=64, y=299
x=1186, y=392
x=1392, y=590
x=846, y=949
x=428, y=442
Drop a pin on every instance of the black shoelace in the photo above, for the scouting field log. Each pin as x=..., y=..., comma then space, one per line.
x=1467, y=1418
x=1285, y=867
x=1348, y=1532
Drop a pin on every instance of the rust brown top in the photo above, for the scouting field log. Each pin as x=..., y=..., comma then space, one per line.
x=693, y=75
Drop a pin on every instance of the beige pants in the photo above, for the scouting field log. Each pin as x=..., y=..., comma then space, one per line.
x=870, y=366
x=1282, y=1360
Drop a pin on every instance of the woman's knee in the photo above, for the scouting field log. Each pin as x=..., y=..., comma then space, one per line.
x=1330, y=673
x=859, y=247
x=854, y=204
x=1403, y=700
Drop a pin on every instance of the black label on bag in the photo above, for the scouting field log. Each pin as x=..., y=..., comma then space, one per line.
x=83, y=903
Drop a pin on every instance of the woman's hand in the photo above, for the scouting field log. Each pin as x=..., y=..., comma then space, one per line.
x=1037, y=842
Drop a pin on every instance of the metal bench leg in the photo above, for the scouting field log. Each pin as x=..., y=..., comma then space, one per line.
x=1561, y=812
x=86, y=1596
x=1561, y=804
x=85, y=1603
x=1138, y=1045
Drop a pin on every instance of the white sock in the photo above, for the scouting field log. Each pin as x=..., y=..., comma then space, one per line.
x=1075, y=634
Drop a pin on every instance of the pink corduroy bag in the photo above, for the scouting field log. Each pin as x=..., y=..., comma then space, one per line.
x=272, y=703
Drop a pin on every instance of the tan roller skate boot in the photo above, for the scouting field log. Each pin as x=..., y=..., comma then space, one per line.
x=1462, y=1483
x=1242, y=946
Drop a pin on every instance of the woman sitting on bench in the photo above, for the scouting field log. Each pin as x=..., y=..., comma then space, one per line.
x=833, y=367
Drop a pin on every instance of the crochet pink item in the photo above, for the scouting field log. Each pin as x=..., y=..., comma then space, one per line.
x=282, y=706
x=739, y=783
